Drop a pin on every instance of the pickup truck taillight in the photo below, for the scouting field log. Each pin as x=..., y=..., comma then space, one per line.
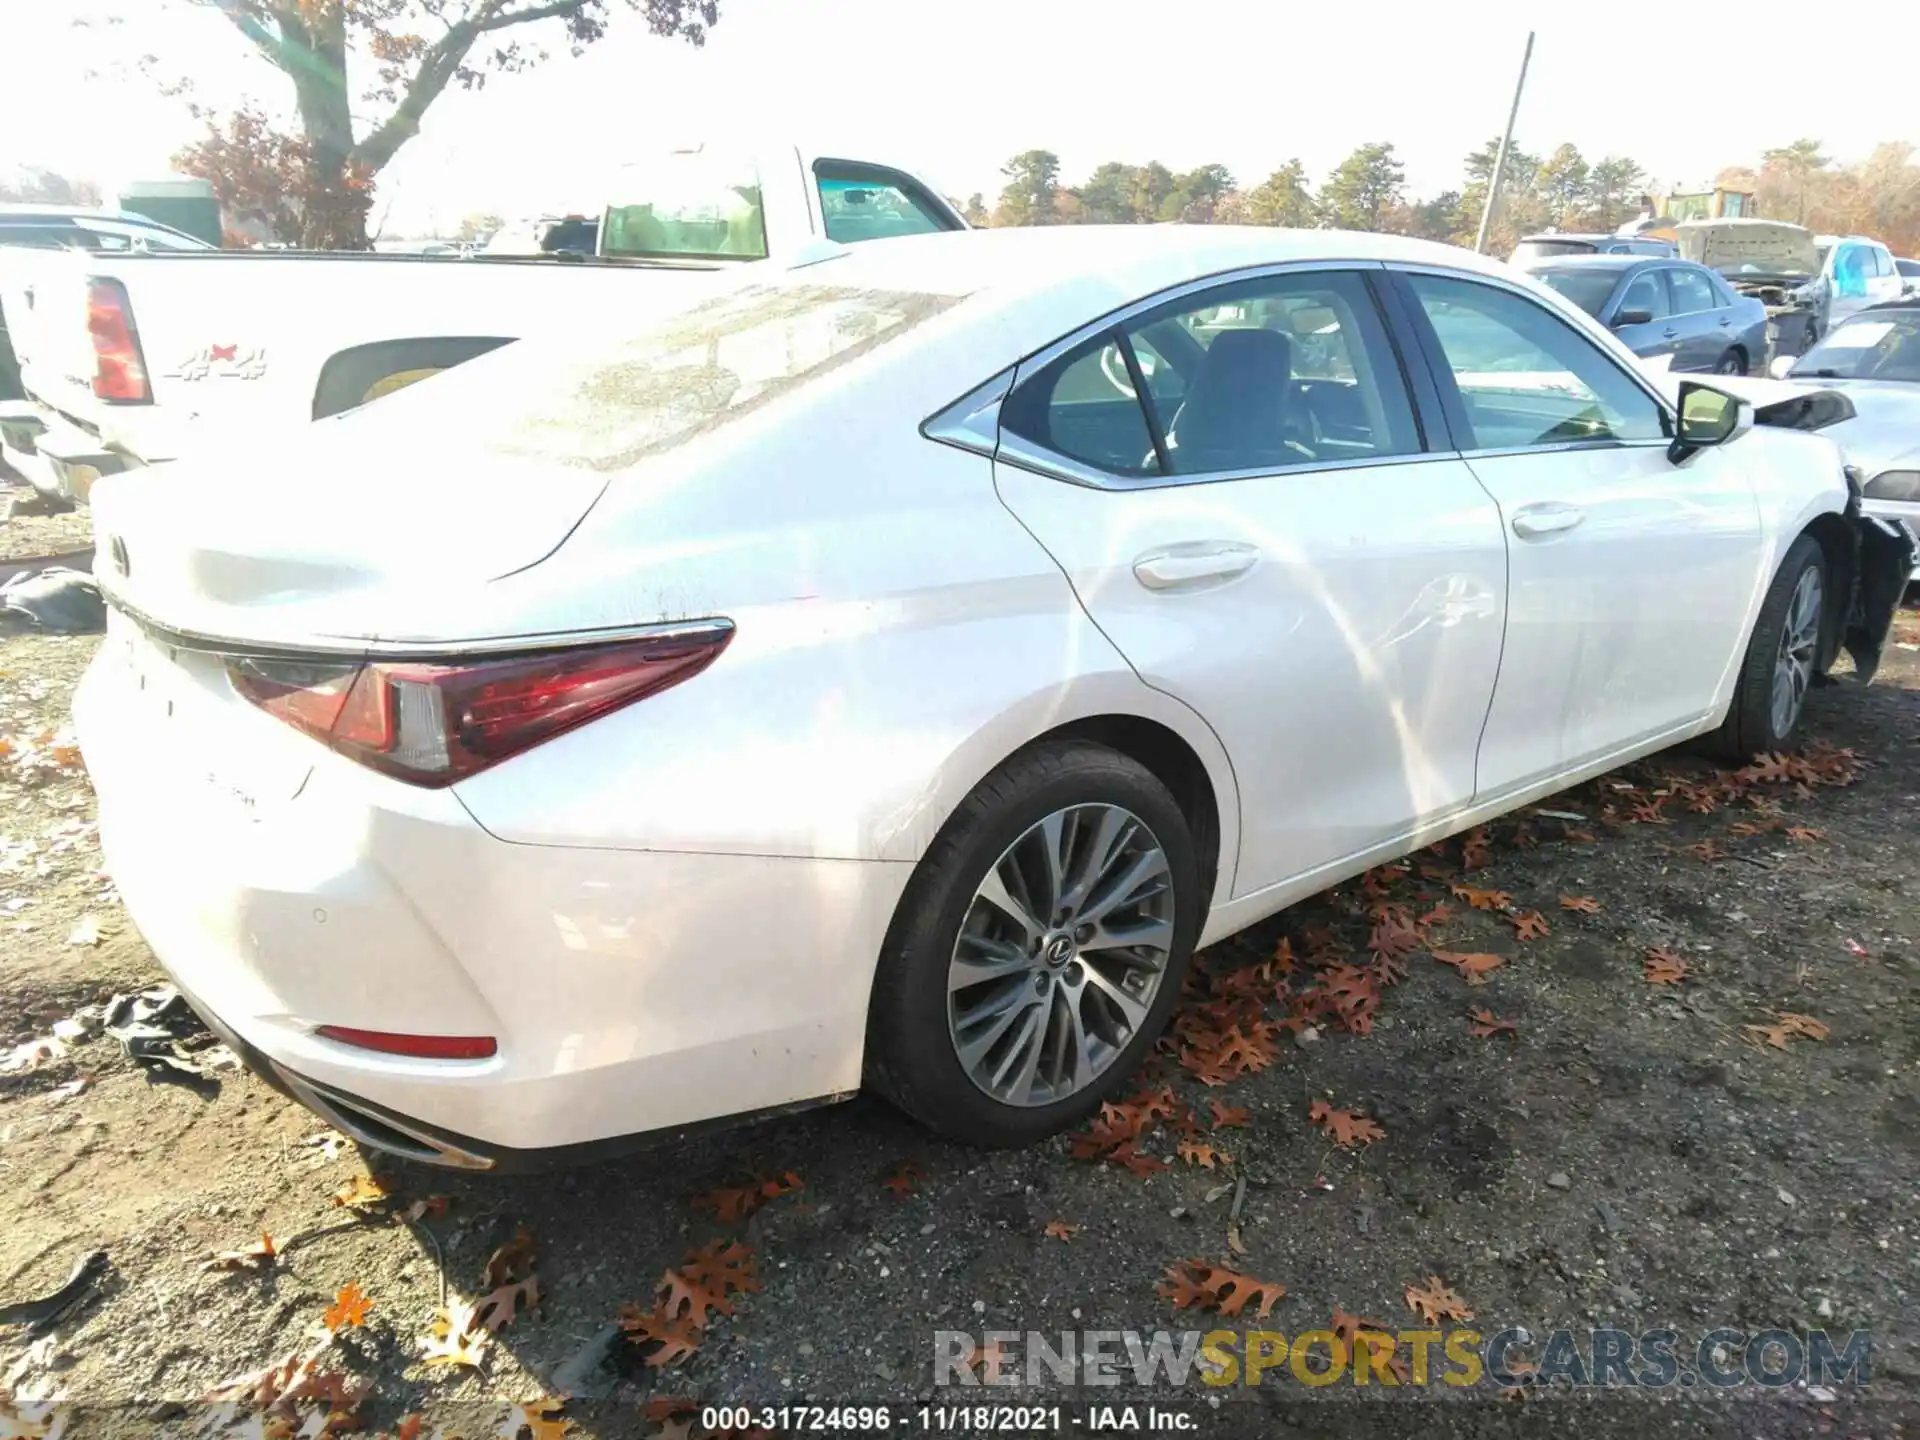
x=119, y=371
x=431, y=724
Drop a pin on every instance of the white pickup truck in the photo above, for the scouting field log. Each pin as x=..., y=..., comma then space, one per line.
x=136, y=358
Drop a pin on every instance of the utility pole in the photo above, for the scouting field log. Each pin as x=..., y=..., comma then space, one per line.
x=1500, y=160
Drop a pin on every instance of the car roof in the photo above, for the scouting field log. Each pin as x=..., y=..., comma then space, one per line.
x=1025, y=259
x=1905, y=302
x=1617, y=260
x=1582, y=235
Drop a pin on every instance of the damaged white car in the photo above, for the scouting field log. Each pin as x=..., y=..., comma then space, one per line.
x=889, y=673
x=1873, y=359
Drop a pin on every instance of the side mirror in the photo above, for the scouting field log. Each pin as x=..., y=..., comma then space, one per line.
x=1781, y=366
x=1624, y=318
x=1707, y=417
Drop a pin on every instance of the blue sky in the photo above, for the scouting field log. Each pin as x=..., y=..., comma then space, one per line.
x=953, y=89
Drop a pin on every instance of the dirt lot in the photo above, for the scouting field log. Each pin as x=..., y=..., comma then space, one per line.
x=1631, y=1155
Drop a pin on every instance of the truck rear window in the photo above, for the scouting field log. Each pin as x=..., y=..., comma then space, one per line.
x=686, y=206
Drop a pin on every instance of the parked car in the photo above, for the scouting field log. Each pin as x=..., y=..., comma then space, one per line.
x=1855, y=272
x=1554, y=245
x=69, y=227
x=873, y=674
x=1680, y=315
x=1771, y=261
x=1873, y=358
x=135, y=359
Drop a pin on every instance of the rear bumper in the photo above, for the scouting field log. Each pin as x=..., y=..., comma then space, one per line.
x=632, y=995
x=57, y=457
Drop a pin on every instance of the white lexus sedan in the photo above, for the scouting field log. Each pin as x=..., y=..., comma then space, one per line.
x=891, y=670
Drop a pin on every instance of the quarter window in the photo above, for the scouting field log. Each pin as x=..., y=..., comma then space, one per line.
x=1265, y=374
x=1525, y=377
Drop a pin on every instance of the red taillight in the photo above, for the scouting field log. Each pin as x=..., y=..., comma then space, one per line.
x=422, y=1047
x=433, y=724
x=119, y=372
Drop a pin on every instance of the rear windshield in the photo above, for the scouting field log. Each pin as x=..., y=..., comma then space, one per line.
x=1546, y=249
x=1588, y=289
x=608, y=406
x=686, y=206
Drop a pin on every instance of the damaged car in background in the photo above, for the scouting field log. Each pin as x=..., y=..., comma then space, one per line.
x=1771, y=261
x=1873, y=360
x=881, y=675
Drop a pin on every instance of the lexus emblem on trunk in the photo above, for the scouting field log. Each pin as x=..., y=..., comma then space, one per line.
x=117, y=549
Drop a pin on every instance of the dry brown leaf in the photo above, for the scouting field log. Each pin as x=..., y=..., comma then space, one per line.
x=512, y=1261
x=349, y=1308
x=1474, y=968
x=1805, y=834
x=362, y=1192
x=1203, y=1285
x=1205, y=1156
x=1127, y=1155
x=673, y=1340
x=1486, y=1023
x=497, y=1308
x=1349, y=1128
x=1580, y=904
x=731, y=1203
x=1787, y=1026
x=455, y=1336
x=1234, y=1242
x=1434, y=1301
x=1482, y=899
x=538, y=1420
x=1528, y=925
x=282, y=1385
x=257, y=1256
x=1060, y=1230
x=1663, y=967
x=435, y=1205
x=904, y=1177
x=1226, y=1116
x=1708, y=850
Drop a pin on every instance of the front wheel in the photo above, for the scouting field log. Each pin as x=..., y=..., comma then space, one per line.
x=1039, y=948
x=1782, y=657
x=1730, y=364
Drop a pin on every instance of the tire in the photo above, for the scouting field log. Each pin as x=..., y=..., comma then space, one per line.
x=1754, y=724
x=1085, y=795
x=1730, y=363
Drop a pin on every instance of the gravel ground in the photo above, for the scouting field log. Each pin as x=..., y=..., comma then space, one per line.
x=1632, y=1154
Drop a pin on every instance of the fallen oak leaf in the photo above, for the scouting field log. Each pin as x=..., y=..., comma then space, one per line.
x=362, y=1193
x=1805, y=834
x=1225, y=1115
x=1205, y=1156
x=1708, y=850
x=674, y=1340
x=257, y=1256
x=1580, y=904
x=1349, y=1128
x=1787, y=1026
x=1474, y=968
x=1663, y=967
x=1528, y=925
x=1486, y=1024
x=283, y=1384
x=1482, y=899
x=904, y=1177
x=349, y=1308
x=537, y=1419
x=456, y=1337
x=1127, y=1155
x=1060, y=1230
x=1434, y=1301
x=497, y=1309
x=512, y=1261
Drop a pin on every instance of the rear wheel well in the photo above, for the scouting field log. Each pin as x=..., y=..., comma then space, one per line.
x=1174, y=764
x=1835, y=537
x=350, y=377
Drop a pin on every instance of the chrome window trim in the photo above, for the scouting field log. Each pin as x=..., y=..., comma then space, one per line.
x=1500, y=282
x=972, y=422
x=1018, y=453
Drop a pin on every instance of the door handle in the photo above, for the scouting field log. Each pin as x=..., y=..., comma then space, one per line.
x=1725, y=321
x=1536, y=521
x=1669, y=333
x=1193, y=565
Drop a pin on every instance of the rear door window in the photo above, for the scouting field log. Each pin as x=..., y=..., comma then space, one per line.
x=1266, y=374
x=1691, y=292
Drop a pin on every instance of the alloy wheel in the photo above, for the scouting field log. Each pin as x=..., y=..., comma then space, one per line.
x=1060, y=955
x=1799, y=639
